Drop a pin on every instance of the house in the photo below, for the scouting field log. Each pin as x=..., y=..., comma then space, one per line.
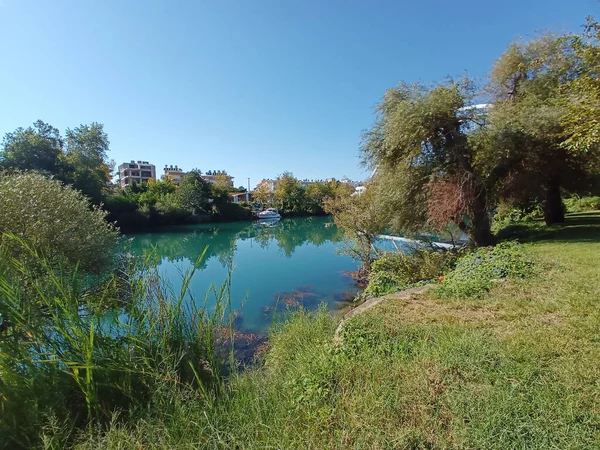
x=174, y=174
x=238, y=197
x=213, y=175
x=136, y=172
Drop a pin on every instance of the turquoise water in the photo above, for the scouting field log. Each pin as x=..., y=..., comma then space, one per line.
x=294, y=262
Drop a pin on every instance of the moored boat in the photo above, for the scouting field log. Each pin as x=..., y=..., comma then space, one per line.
x=269, y=214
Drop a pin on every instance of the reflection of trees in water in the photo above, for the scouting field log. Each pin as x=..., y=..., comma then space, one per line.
x=293, y=233
x=220, y=241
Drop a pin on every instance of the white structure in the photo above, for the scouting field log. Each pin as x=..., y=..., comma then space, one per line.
x=359, y=190
x=133, y=172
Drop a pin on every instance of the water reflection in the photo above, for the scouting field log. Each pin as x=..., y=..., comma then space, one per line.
x=221, y=240
x=289, y=265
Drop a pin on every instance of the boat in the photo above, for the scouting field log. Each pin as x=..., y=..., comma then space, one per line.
x=269, y=214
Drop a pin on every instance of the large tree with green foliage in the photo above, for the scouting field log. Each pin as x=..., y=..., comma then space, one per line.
x=581, y=118
x=422, y=137
x=38, y=148
x=526, y=123
x=194, y=193
x=86, y=151
x=289, y=194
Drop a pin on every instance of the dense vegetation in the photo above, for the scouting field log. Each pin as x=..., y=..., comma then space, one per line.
x=453, y=153
x=511, y=367
x=96, y=352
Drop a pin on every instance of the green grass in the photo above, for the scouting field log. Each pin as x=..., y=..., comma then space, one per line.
x=515, y=368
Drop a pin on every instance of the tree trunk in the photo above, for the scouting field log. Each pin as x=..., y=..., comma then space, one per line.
x=553, y=207
x=479, y=231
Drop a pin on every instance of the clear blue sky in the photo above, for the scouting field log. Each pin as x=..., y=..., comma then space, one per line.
x=254, y=87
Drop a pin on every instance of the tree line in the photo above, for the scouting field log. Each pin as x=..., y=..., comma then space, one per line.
x=292, y=197
x=80, y=159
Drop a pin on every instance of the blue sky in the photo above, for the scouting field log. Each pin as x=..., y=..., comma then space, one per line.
x=255, y=87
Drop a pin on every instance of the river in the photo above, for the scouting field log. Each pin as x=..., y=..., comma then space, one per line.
x=296, y=262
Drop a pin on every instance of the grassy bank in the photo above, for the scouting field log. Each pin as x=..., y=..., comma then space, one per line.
x=515, y=368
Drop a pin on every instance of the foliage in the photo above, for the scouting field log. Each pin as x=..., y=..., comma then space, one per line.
x=421, y=134
x=79, y=160
x=578, y=204
x=395, y=271
x=36, y=148
x=262, y=193
x=361, y=220
x=88, y=362
x=289, y=195
x=55, y=220
x=194, y=192
x=581, y=118
x=527, y=123
x=476, y=272
x=86, y=149
x=508, y=213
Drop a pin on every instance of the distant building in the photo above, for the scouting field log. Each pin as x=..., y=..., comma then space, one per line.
x=212, y=175
x=174, y=174
x=133, y=172
x=269, y=184
x=238, y=197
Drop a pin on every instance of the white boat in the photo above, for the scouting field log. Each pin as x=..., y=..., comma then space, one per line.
x=269, y=214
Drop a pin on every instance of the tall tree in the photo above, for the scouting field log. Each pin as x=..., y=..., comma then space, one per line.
x=290, y=194
x=526, y=122
x=263, y=193
x=194, y=193
x=38, y=148
x=86, y=151
x=581, y=120
x=422, y=135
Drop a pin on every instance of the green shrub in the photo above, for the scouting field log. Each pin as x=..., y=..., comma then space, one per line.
x=396, y=270
x=475, y=272
x=579, y=204
x=507, y=214
x=56, y=220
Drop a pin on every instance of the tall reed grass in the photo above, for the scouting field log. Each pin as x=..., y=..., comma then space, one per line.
x=76, y=354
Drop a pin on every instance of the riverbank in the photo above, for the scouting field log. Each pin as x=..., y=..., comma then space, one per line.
x=515, y=368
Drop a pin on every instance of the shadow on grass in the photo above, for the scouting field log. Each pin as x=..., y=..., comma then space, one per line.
x=578, y=227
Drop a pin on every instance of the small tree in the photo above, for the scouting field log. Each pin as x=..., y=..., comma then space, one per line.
x=263, y=193
x=361, y=220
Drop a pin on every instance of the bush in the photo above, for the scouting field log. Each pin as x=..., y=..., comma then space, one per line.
x=579, y=204
x=476, y=272
x=56, y=220
x=395, y=271
x=507, y=215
